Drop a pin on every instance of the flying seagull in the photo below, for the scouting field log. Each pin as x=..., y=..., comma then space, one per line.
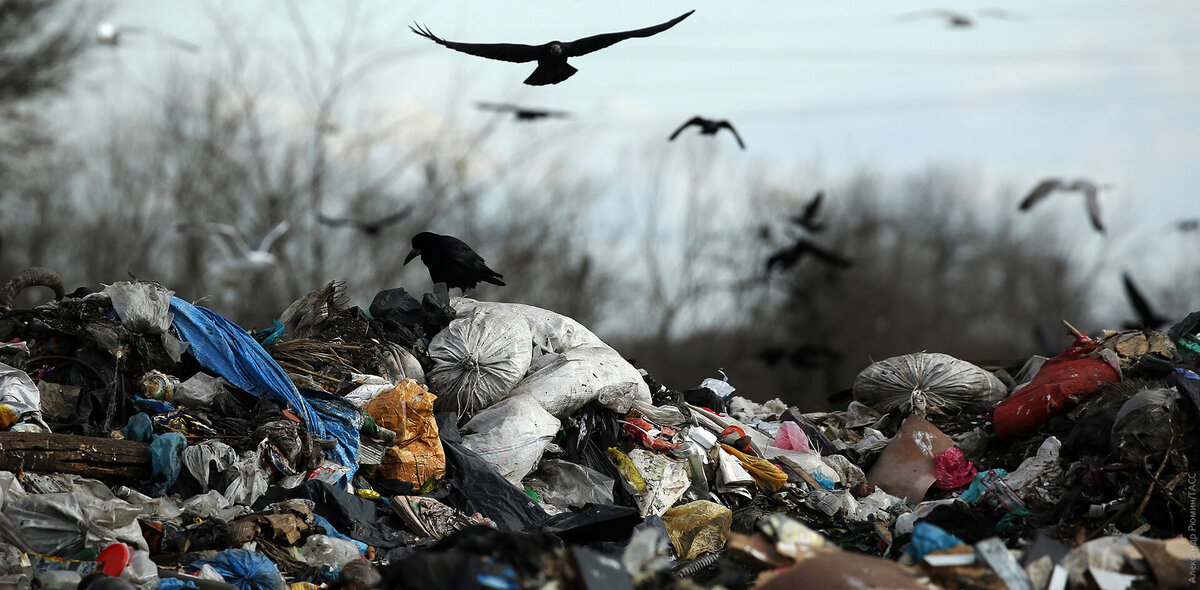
x=789, y=256
x=451, y=261
x=1089, y=189
x=960, y=20
x=807, y=219
x=240, y=256
x=1147, y=318
x=109, y=34
x=522, y=113
x=709, y=127
x=551, y=57
x=371, y=227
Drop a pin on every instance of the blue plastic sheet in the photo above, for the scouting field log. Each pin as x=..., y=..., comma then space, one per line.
x=139, y=428
x=165, y=462
x=342, y=423
x=245, y=569
x=175, y=584
x=927, y=538
x=977, y=487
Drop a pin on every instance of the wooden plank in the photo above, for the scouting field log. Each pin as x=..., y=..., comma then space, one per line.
x=69, y=453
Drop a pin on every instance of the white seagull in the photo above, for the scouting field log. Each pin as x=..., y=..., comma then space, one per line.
x=240, y=256
x=1090, y=194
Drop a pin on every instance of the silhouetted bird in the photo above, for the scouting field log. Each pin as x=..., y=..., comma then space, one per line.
x=370, y=227
x=1090, y=194
x=709, y=127
x=1147, y=318
x=807, y=219
x=522, y=113
x=451, y=261
x=551, y=57
x=1188, y=225
x=788, y=257
x=959, y=20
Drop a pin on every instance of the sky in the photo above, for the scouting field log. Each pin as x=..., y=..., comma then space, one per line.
x=1104, y=89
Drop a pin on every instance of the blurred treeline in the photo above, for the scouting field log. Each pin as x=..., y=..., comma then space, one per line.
x=672, y=271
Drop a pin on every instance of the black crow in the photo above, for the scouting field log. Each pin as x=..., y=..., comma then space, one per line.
x=551, y=57
x=451, y=261
x=1090, y=194
x=959, y=20
x=1188, y=225
x=1147, y=318
x=789, y=256
x=522, y=113
x=709, y=127
x=807, y=219
x=370, y=227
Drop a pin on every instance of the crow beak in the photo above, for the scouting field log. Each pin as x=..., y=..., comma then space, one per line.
x=415, y=252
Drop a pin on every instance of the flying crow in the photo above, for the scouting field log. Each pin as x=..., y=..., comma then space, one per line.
x=551, y=57
x=789, y=256
x=1089, y=189
x=959, y=20
x=1147, y=318
x=451, y=261
x=709, y=127
x=522, y=113
x=371, y=227
x=807, y=219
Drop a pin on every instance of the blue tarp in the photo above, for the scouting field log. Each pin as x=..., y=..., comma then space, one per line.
x=229, y=351
x=245, y=569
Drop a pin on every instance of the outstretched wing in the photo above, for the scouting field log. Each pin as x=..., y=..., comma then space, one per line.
x=264, y=243
x=512, y=52
x=813, y=207
x=1039, y=192
x=827, y=256
x=231, y=243
x=1092, y=198
x=587, y=45
x=1001, y=13
x=692, y=121
x=727, y=125
x=495, y=106
x=333, y=222
x=1146, y=316
x=939, y=13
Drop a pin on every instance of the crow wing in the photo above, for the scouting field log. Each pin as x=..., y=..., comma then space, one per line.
x=321, y=218
x=1092, y=199
x=393, y=218
x=692, y=121
x=813, y=207
x=827, y=256
x=587, y=45
x=1039, y=192
x=727, y=125
x=511, y=52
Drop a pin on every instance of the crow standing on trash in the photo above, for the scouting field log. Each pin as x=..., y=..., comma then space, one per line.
x=551, y=57
x=451, y=261
x=709, y=127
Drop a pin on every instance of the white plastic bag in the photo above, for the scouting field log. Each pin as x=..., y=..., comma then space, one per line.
x=18, y=392
x=64, y=524
x=321, y=550
x=198, y=391
x=552, y=332
x=933, y=382
x=478, y=359
x=576, y=377
x=143, y=307
x=511, y=436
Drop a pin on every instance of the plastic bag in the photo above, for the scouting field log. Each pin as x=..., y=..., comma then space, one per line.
x=63, y=524
x=209, y=458
x=666, y=481
x=511, y=436
x=478, y=359
x=576, y=377
x=1145, y=424
x=938, y=382
x=649, y=548
x=790, y=436
x=143, y=307
x=245, y=569
x=17, y=391
x=698, y=527
x=141, y=571
x=320, y=550
x=198, y=391
x=768, y=477
x=552, y=332
x=165, y=463
x=407, y=409
x=566, y=485
x=927, y=538
x=952, y=470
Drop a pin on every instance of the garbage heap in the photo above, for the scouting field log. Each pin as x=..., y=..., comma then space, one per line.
x=148, y=442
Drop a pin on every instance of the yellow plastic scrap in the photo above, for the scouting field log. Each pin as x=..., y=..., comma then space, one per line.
x=628, y=470
x=7, y=417
x=417, y=455
x=768, y=477
x=698, y=527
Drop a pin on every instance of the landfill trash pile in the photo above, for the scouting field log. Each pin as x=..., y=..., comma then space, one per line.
x=148, y=442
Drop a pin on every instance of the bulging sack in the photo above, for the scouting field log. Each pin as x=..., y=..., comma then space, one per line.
x=932, y=382
x=478, y=359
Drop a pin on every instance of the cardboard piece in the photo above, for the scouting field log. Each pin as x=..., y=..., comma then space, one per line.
x=905, y=468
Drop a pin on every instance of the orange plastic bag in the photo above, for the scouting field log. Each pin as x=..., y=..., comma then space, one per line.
x=768, y=477
x=417, y=455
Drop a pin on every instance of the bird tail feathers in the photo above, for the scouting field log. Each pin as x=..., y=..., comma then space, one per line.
x=550, y=73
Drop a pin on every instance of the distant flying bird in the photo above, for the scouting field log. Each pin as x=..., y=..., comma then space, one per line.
x=709, y=127
x=551, y=57
x=807, y=219
x=110, y=34
x=1188, y=225
x=522, y=113
x=1090, y=194
x=788, y=257
x=240, y=256
x=1147, y=318
x=371, y=227
x=451, y=261
x=959, y=20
